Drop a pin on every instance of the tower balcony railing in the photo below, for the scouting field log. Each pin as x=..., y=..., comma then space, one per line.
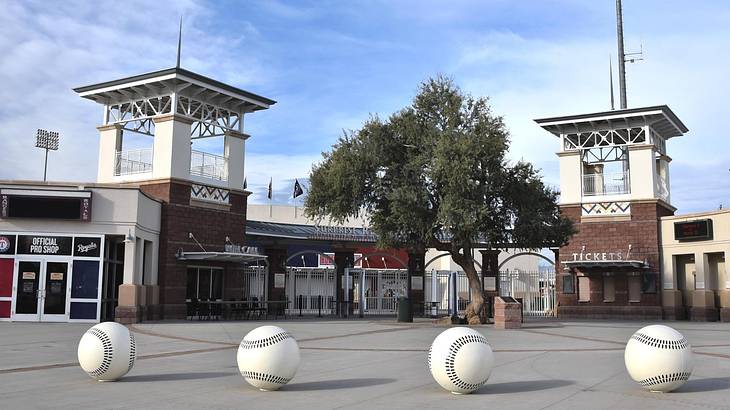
x=206, y=165
x=606, y=184
x=135, y=161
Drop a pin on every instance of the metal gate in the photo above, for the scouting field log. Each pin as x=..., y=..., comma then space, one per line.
x=438, y=292
x=378, y=289
x=536, y=290
x=254, y=278
x=310, y=290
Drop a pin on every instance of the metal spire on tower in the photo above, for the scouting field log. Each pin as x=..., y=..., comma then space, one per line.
x=621, y=55
x=179, y=44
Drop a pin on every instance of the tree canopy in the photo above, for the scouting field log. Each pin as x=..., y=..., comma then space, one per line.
x=435, y=175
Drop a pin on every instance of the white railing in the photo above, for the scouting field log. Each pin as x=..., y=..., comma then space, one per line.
x=606, y=184
x=207, y=165
x=136, y=161
x=662, y=188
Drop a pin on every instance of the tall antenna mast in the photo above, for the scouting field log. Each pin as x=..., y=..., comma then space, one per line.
x=179, y=44
x=610, y=80
x=621, y=55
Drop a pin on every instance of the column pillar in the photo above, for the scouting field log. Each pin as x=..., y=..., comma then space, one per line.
x=234, y=150
x=171, y=152
x=128, y=310
x=490, y=275
x=703, y=300
x=416, y=285
x=343, y=259
x=276, y=258
x=110, y=141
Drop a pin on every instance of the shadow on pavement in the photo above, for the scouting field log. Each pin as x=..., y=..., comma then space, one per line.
x=522, y=387
x=174, y=376
x=708, y=384
x=337, y=384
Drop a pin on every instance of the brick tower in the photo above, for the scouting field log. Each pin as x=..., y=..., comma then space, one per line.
x=614, y=183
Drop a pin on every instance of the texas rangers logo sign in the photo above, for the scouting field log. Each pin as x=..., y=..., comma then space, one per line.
x=4, y=244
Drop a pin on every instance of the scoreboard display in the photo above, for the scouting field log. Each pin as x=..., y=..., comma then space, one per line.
x=700, y=229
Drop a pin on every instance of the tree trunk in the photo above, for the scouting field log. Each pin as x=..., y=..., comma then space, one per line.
x=475, y=313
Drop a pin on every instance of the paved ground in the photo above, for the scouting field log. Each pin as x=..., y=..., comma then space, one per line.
x=356, y=364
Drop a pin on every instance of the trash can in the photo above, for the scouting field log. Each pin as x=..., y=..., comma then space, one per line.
x=405, y=311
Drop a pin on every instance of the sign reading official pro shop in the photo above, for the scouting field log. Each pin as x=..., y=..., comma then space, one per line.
x=44, y=245
x=89, y=247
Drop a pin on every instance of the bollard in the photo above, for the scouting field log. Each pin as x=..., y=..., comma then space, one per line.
x=300, y=305
x=319, y=305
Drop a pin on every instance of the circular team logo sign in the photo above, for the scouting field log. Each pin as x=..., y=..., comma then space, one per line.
x=4, y=244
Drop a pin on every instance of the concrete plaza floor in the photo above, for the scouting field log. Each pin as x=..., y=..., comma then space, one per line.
x=356, y=364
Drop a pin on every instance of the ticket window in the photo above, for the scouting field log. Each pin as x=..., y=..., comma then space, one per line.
x=584, y=289
x=609, y=288
x=634, y=288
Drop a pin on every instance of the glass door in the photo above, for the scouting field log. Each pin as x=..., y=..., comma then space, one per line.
x=27, y=289
x=54, y=292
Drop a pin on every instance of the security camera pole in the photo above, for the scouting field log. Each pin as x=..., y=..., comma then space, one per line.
x=47, y=140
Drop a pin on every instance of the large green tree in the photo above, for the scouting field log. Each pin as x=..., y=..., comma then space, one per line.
x=435, y=175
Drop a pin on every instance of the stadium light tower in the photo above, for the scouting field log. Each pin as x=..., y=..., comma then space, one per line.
x=47, y=140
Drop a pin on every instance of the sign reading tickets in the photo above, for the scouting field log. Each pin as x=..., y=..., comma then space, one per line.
x=44, y=245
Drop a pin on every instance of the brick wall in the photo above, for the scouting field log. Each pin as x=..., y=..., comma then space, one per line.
x=605, y=235
x=209, y=226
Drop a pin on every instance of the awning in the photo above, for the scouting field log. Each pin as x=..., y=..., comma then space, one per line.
x=220, y=257
x=634, y=264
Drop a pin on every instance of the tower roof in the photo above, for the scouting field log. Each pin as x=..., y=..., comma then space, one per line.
x=660, y=117
x=179, y=80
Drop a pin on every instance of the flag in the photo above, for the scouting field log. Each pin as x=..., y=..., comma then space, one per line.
x=297, y=188
x=245, y=185
x=269, y=194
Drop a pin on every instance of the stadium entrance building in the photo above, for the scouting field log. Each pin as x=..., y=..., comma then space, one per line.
x=158, y=220
x=614, y=183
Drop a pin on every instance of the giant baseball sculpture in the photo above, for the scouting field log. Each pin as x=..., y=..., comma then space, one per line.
x=268, y=357
x=107, y=351
x=658, y=358
x=460, y=360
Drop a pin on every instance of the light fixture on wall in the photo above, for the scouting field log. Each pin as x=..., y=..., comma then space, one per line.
x=129, y=238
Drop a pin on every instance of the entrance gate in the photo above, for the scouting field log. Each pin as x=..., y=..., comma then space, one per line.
x=536, y=290
x=378, y=290
x=310, y=290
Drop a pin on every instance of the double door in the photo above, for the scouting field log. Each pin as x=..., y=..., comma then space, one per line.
x=41, y=291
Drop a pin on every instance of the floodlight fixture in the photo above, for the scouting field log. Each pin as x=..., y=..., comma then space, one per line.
x=47, y=140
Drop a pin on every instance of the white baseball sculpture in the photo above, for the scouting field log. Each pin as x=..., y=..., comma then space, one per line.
x=658, y=358
x=107, y=351
x=460, y=360
x=268, y=357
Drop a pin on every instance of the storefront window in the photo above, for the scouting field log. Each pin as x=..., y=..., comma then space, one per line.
x=648, y=283
x=568, y=283
x=204, y=283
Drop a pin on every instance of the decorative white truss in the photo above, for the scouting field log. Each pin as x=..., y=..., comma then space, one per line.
x=209, y=119
x=607, y=138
